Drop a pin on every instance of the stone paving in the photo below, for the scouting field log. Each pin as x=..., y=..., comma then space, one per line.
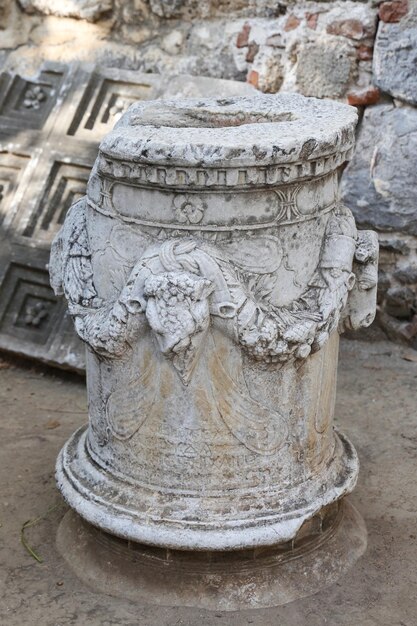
x=376, y=407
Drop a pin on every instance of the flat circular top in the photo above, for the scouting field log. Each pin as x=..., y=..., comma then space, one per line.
x=235, y=131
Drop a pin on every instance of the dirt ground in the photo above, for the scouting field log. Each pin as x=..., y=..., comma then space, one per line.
x=376, y=408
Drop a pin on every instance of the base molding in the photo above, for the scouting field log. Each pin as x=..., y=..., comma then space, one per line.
x=242, y=579
x=230, y=520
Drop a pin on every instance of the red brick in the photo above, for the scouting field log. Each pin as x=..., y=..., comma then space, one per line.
x=253, y=78
x=252, y=52
x=312, y=19
x=347, y=28
x=291, y=23
x=243, y=37
x=393, y=11
x=364, y=52
x=363, y=97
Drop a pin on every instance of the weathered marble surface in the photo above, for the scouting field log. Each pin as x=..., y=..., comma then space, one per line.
x=208, y=269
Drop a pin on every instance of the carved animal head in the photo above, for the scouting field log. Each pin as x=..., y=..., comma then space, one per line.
x=361, y=307
x=178, y=312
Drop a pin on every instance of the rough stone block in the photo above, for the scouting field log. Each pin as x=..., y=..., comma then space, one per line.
x=4, y=13
x=395, y=58
x=379, y=184
x=268, y=70
x=168, y=8
x=400, y=302
x=325, y=68
x=407, y=275
x=324, y=53
x=392, y=12
x=397, y=288
x=83, y=9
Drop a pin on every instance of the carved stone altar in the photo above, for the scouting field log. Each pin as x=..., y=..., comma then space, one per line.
x=209, y=269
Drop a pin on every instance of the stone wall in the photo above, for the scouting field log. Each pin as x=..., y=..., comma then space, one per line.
x=363, y=53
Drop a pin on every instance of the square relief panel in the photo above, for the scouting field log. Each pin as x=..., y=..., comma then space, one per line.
x=104, y=101
x=30, y=310
x=26, y=104
x=65, y=184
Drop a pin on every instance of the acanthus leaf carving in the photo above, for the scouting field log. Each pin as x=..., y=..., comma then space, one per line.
x=261, y=429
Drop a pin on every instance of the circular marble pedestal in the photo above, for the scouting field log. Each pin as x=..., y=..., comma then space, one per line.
x=323, y=550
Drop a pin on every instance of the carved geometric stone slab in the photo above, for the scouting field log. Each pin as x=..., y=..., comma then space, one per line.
x=50, y=128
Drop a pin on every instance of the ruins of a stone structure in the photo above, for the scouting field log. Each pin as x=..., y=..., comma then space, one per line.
x=50, y=129
x=209, y=270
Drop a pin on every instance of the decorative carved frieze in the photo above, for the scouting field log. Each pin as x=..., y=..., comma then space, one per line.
x=200, y=210
x=219, y=178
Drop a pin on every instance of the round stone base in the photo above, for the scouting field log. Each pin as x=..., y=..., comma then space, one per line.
x=324, y=549
x=192, y=520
